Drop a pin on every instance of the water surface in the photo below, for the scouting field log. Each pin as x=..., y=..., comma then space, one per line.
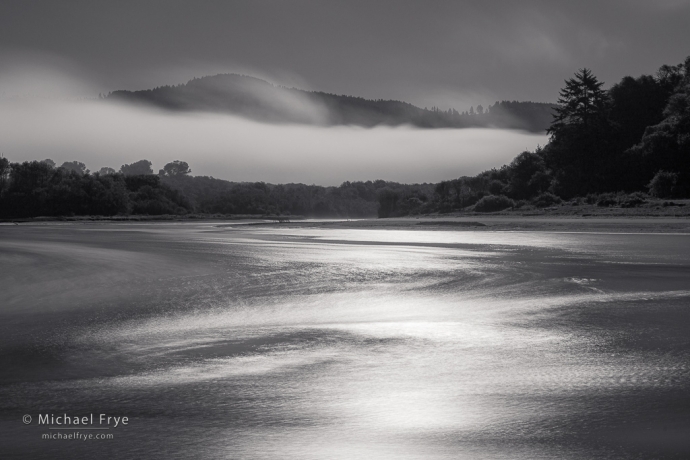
x=285, y=343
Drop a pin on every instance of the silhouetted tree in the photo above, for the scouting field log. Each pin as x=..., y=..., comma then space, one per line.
x=76, y=166
x=28, y=190
x=664, y=185
x=137, y=168
x=635, y=104
x=176, y=168
x=105, y=170
x=527, y=176
x=666, y=145
x=670, y=76
x=5, y=170
x=579, y=151
x=492, y=203
x=581, y=101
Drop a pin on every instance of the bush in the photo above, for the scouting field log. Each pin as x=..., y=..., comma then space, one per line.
x=607, y=199
x=546, y=199
x=520, y=203
x=621, y=199
x=633, y=200
x=492, y=203
x=496, y=187
x=663, y=185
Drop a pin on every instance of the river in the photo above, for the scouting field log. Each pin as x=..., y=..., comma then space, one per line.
x=230, y=341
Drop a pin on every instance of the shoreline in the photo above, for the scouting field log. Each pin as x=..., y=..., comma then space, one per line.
x=506, y=223
x=469, y=222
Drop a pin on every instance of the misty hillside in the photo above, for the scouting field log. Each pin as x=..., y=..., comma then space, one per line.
x=257, y=99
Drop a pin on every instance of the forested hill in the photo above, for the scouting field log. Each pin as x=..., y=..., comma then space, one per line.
x=257, y=99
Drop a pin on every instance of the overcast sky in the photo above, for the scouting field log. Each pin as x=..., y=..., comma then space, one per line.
x=444, y=53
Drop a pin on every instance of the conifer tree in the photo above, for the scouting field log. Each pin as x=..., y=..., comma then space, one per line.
x=581, y=102
x=579, y=153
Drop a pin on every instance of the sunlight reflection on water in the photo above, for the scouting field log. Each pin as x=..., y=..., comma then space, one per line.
x=303, y=343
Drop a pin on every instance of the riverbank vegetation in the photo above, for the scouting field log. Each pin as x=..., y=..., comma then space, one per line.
x=616, y=147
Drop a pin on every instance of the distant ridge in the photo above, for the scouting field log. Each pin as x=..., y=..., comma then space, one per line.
x=257, y=99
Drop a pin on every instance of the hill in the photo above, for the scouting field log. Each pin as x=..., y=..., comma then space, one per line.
x=259, y=100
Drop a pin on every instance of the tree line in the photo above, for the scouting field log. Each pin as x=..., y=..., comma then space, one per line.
x=614, y=146
x=40, y=188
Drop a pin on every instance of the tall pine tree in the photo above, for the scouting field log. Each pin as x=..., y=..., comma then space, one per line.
x=579, y=153
x=582, y=102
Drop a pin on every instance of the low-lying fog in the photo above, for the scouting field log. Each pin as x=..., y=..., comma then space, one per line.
x=103, y=133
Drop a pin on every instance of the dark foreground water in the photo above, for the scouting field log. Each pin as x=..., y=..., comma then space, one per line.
x=270, y=343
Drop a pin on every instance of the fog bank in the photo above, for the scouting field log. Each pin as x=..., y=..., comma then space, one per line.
x=109, y=134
